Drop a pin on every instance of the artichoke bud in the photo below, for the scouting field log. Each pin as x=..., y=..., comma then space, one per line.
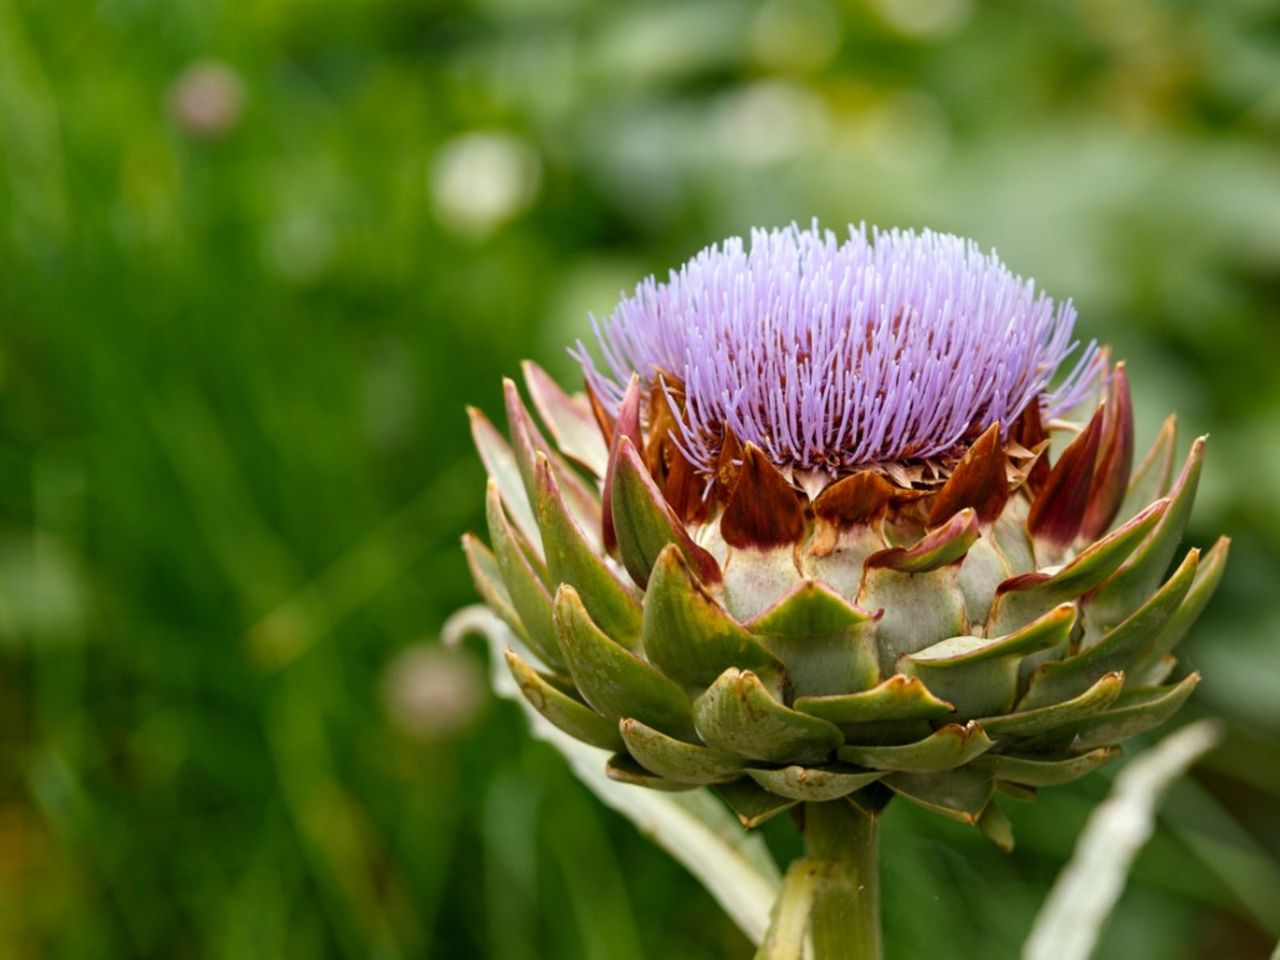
x=863, y=572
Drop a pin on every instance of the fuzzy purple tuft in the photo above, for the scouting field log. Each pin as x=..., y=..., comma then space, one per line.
x=890, y=346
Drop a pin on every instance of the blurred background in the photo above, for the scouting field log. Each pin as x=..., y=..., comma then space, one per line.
x=255, y=258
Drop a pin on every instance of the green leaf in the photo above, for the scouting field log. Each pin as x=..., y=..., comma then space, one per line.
x=612, y=679
x=1026, y=723
x=624, y=769
x=677, y=760
x=980, y=675
x=898, y=698
x=1040, y=772
x=1118, y=650
x=814, y=784
x=1026, y=597
x=568, y=418
x=826, y=645
x=1135, y=711
x=789, y=921
x=961, y=794
x=688, y=635
x=528, y=594
x=1087, y=888
x=944, y=749
x=644, y=522
x=752, y=804
x=572, y=716
x=737, y=714
x=571, y=560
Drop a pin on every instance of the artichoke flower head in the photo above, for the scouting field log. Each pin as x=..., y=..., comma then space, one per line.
x=803, y=536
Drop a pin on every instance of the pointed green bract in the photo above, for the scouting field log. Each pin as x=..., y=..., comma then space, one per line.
x=568, y=418
x=1133, y=712
x=1118, y=650
x=959, y=794
x=622, y=768
x=572, y=716
x=500, y=463
x=945, y=545
x=1026, y=723
x=1045, y=771
x=944, y=749
x=487, y=577
x=529, y=445
x=1151, y=477
x=571, y=560
x=529, y=597
x=1025, y=597
x=813, y=784
x=995, y=826
x=1141, y=573
x=826, y=645
x=739, y=715
x=898, y=698
x=688, y=635
x=980, y=675
x=1050, y=630
x=612, y=679
x=675, y=759
x=644, y=522
x=752, y=804
x=1152, y=668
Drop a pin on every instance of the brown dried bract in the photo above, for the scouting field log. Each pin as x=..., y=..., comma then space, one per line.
x=763, y=510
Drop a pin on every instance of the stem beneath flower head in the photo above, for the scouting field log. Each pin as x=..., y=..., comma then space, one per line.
x=842, y=843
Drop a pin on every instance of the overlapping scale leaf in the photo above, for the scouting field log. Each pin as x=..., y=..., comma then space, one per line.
x=739, y=714
x=611, y=678
x=945, y=749
x=826, y=644
x=678, y=760
x=980, y=675
x=1116, y=651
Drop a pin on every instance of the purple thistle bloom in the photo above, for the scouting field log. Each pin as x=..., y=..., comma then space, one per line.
x=890, y=346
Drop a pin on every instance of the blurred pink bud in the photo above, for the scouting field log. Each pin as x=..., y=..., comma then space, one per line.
x=433, y=692
x=207, y=99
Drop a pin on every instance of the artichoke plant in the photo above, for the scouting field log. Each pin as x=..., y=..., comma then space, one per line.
x=836, y=522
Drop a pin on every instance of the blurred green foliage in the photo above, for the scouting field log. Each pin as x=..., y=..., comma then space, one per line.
x=242, y=306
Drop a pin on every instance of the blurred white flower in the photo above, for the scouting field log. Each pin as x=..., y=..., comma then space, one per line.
x=433, y=692
x=769, y=121
x=207, y=99
x=481, y=180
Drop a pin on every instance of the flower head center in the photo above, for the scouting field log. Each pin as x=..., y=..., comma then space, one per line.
x=832, y=356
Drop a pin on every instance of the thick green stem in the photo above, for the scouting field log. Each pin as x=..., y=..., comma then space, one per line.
x=841, y=841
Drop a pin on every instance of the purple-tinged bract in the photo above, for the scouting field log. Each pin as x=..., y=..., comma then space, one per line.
x=890, y=346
